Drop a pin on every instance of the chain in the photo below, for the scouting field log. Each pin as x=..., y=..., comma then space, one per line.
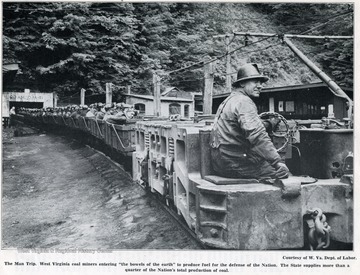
x=319, y=230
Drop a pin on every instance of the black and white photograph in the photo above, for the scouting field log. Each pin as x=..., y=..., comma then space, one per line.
x=135, y=132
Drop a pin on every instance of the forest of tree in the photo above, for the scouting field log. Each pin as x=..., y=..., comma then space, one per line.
x=65, y=46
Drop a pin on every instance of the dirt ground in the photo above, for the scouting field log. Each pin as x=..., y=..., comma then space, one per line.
x=59, y=194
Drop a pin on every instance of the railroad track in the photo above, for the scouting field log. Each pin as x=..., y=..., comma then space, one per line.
x=159, y=200
x=178, y=219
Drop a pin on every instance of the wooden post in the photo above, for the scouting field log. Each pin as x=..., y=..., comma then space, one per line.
x=208, y=89
x=228, y=65
x=55, y=99
x=82, y=96
x=128, y=89
x=157, y=102
x=108, y=93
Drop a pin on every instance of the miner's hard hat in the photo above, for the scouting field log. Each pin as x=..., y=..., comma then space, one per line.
x=249, y=71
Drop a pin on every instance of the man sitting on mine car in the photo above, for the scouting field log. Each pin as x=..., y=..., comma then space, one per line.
x=122, y=113
x=240, y=145
x=101, y=111
x=91, y=113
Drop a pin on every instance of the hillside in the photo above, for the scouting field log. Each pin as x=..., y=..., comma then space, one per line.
x=277, y=60
x=64, y=46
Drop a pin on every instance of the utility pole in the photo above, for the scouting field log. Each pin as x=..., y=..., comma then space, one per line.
x=208, y=89
x=82, y=96
x=108, y=96
x=228, y=64
x=228, y=60
x=157, y=102
x=55, y=99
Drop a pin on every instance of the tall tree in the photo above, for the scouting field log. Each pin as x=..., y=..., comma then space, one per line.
x=65, y=46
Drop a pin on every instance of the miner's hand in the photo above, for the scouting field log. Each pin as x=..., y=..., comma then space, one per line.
x=282, y=171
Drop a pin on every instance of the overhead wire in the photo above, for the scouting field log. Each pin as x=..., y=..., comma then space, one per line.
x=205, y=62
x=344, y=62
x=260, y=40
x=264, y=64
x=256, y=50
x=321, y=25
x=321, y=21
x=290, y=57
x=71, y=96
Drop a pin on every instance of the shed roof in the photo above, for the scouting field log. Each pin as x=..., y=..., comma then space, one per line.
x=9, y=72
x=296, y=87
x=162, y=98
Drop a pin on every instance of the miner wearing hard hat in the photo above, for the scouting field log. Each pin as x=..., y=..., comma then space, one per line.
x=240, y=145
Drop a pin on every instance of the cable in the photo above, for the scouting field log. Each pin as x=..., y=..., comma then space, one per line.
x=323, y=24
x=204, y=62
x=230, y=52
x=319, y=22
x=71, y=95
x=341, y=61
x=291, y=57
x=272, y=62
x=258, y=50
x=297, y=149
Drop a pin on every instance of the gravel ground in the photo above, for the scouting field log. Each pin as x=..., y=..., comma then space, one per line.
x=59, y=194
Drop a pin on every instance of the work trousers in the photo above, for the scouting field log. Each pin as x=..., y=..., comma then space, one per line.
x=227, y=165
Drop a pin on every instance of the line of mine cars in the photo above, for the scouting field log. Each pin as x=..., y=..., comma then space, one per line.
x=310, y=209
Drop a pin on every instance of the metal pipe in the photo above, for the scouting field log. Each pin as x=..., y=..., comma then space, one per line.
x=228, y=65
x=293, y=35
x=256, y=34
x=323, y=76
x=317, y=36
x=332, y=85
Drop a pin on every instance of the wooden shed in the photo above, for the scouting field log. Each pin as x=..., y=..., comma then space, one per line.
x=173, y=101
x=308, y=101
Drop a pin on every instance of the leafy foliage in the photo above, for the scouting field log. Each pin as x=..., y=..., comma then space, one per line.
x=334, y=56
x=66, y=46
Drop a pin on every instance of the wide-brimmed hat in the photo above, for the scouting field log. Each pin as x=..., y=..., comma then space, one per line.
x=249, y=71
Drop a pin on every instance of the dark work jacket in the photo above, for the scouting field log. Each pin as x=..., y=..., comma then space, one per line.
x=239, y=132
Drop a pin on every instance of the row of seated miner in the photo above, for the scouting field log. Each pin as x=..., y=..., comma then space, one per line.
x=119, y=137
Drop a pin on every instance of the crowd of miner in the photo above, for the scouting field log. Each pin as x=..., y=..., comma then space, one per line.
x=116, y=113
